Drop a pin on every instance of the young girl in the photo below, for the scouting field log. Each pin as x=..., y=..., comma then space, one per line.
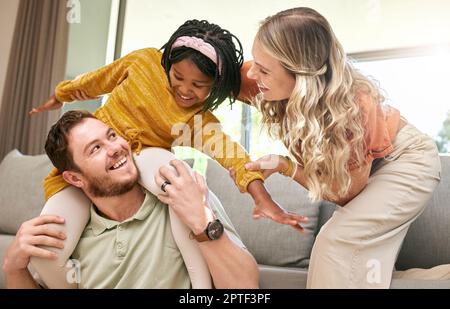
x=344, y=146
x=151, y=94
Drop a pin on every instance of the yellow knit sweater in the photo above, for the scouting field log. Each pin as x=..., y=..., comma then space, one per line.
x=141, y=109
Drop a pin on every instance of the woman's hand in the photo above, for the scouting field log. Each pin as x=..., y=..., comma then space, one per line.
x=268, y=165
x=51, y=103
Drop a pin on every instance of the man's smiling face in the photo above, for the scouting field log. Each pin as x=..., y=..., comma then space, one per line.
x=103, y=157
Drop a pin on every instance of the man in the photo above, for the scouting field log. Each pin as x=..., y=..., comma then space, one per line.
x=128, y=241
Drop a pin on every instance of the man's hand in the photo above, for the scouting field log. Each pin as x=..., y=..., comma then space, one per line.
x=51, y=103
x=32, y=234
x=187, y=195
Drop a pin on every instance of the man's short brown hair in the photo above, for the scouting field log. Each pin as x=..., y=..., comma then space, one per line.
x=57, y=146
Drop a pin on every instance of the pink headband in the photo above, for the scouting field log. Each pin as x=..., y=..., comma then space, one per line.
x=199, y=45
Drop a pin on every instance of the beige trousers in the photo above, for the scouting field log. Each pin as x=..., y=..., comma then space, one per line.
x=358, y=246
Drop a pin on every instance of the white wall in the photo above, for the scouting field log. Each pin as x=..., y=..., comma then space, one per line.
x=361, y=25
x=8, y=14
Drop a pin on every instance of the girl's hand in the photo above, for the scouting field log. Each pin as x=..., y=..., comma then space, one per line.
x=265, y=207
x=268, y=165
x=51, y=103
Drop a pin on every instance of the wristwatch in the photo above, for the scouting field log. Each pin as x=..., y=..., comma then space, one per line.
x=213, y=231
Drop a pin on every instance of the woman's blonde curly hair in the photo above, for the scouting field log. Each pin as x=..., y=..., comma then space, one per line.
x=320, y=123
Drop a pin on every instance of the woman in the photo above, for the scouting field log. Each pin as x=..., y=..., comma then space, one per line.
x=344, y=146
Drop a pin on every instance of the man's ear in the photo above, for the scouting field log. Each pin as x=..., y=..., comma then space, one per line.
x=73, y=178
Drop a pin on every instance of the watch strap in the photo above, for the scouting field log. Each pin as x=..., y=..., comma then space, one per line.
x=204, y=235
x=200, y=237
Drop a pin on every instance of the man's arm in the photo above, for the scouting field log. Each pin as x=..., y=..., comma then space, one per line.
x=20, y=279
x=230, y=265
x=227, y=257
x=31, y=234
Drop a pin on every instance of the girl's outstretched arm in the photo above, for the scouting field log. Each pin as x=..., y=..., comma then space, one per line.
x=96, y=83
x=232, y=155
x=90, y=85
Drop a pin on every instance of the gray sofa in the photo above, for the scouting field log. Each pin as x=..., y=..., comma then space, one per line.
x=282, y=253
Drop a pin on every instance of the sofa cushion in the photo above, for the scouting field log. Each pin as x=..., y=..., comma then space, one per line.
x=21, y=191
x=272, y=277
x=271, y=243
x=5, y=241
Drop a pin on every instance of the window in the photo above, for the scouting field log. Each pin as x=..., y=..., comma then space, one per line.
x=416, y=86
x=87, y=45
x=232, y=128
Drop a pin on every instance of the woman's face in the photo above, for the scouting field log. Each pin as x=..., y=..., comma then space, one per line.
x=273, y=80
x=189, y=85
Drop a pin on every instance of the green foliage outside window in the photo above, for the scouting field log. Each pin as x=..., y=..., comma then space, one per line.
x=443, y=138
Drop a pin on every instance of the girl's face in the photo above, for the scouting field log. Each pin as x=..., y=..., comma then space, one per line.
x=273, y=80
x=189, y=85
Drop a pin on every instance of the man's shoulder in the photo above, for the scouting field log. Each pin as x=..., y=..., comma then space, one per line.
x=150, y=197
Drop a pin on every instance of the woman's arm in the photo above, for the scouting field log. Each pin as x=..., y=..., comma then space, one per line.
x=359, y=180
x=360, y=177
x=249, y=87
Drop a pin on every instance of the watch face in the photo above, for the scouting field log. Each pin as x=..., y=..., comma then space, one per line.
x=215, y=230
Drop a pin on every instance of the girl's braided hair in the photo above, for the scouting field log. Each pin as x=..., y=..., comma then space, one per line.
x=227, y=82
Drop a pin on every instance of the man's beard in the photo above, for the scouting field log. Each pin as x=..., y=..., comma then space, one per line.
x=105, y=187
